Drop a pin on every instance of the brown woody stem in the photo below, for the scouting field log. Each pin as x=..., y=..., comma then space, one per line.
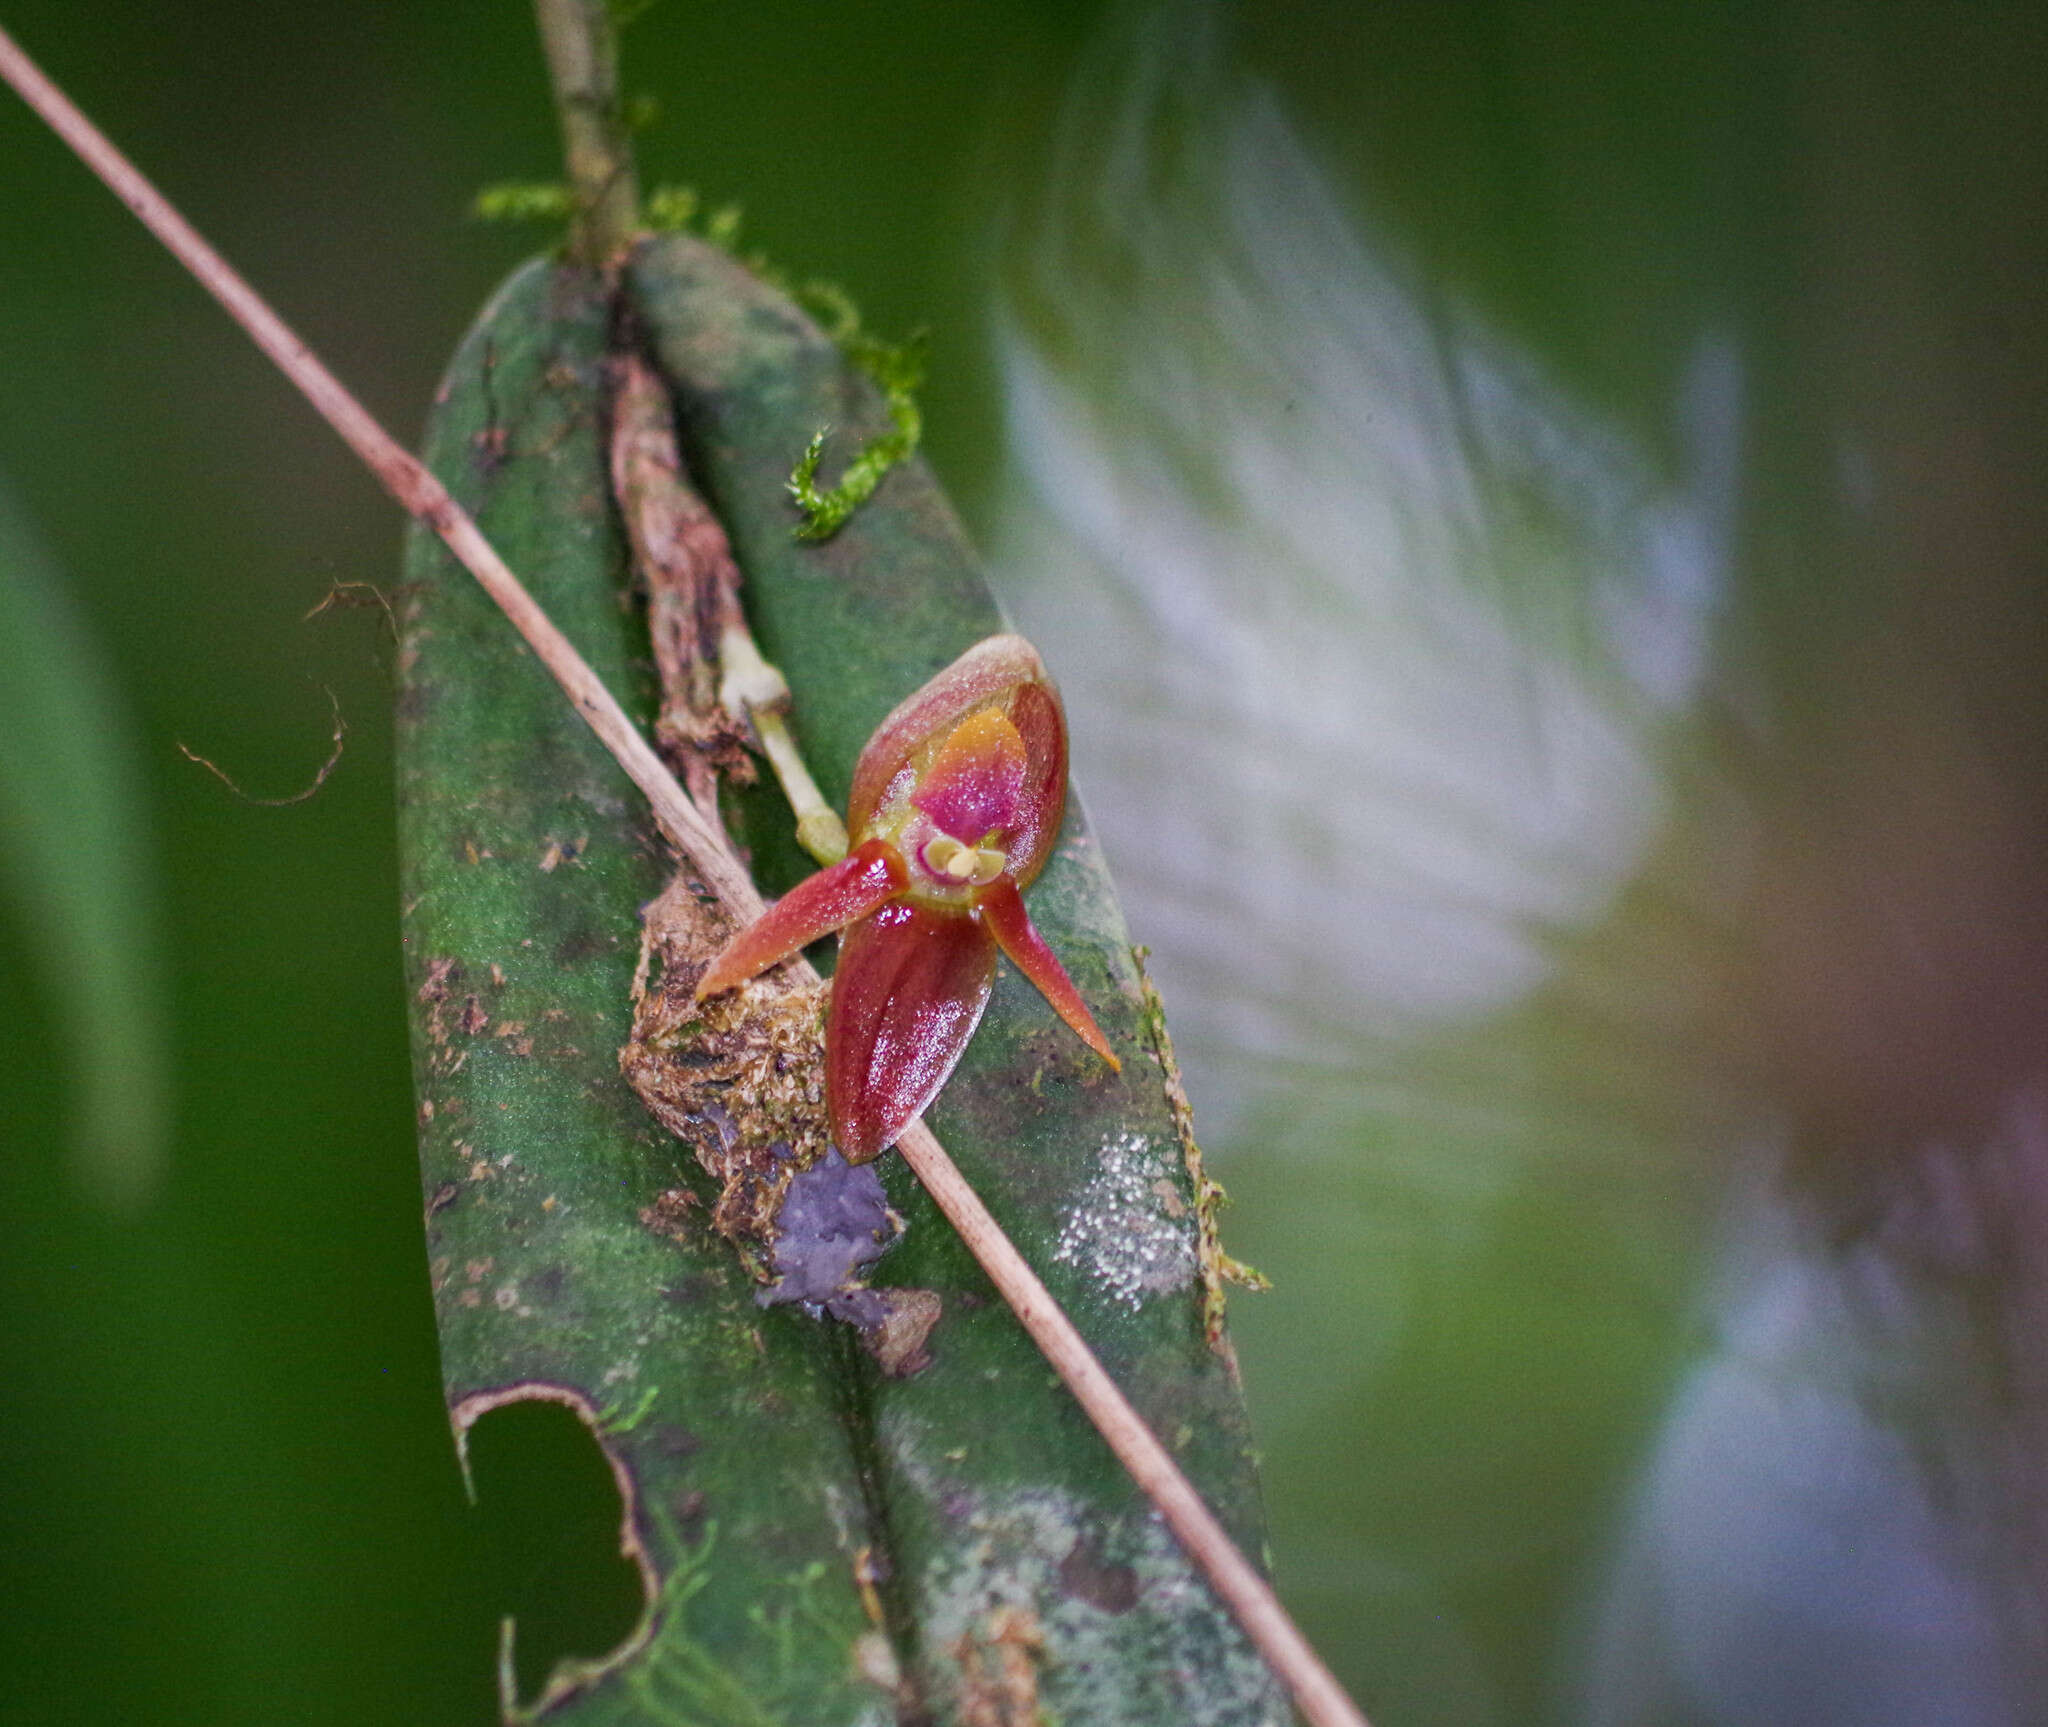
x=714, y=681
x=583, y=66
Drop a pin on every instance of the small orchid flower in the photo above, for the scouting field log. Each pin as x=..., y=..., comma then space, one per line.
x=956, y=803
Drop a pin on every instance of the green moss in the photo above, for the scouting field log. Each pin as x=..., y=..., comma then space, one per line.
x=1218, y=1268
x=524, y=201
x=897, y=368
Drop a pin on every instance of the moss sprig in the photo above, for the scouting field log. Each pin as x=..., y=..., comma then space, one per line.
x=898, y=368
x=524, y=201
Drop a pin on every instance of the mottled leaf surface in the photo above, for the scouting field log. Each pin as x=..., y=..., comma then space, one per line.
x=526, y=855
x=1015, y=1565
x=999, y=1491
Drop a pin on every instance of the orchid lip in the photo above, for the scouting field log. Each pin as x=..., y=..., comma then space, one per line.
x=961, y=865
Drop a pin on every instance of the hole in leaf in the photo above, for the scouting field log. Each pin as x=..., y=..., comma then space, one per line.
x=550, y=1508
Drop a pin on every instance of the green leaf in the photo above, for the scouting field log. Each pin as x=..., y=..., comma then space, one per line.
x=1001, y=1543
x=75, y=855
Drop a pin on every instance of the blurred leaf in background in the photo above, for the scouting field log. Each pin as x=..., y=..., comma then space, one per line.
x=1533, y=512
x=76, y=853
x=1387, y=642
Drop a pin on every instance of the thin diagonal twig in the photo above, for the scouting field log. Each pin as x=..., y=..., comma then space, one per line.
x=1247, y=1594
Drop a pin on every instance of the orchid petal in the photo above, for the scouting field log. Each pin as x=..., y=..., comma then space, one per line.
x=975, y=782
x=872, y=873
x=1042, y=724
x=1002, y=910
x=1004, y=674
x=907, y=994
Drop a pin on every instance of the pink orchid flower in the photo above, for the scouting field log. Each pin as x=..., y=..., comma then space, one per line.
x=956, y=804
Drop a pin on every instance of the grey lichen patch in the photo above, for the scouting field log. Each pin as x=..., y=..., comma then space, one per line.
x=834, y=1222
x=1122, y=1232
x=1217, y=1267
x=999, y=1613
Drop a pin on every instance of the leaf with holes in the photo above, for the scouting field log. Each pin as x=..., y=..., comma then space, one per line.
x=826, y=1536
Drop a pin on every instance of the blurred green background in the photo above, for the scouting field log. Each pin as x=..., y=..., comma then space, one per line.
x=227, y=1490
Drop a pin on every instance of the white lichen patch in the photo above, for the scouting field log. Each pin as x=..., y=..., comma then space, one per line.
x=1151, y=1645
x=1121, y=1232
